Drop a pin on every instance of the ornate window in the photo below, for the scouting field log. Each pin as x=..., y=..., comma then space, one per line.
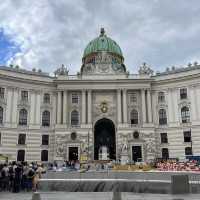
x=165, y=153
x=23, y=115
x=188, y=151
x=1, y=115
x=46, y=98
x=163, y=137
x=21, y=155
x=46, y=118
x=161, y=97
x=183, y=93
x=134, y=117
x=45, y=139
x=2, y=92
x=185, y=114
x=74, y=118
x=44, y=155
x=162, y=117
x=22, y=139
x=75, y=98
x=133, y=98
x=24, y=95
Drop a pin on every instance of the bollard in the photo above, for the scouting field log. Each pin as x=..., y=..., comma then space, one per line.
x=180, y=184
x=117, y=196
x=36, y=196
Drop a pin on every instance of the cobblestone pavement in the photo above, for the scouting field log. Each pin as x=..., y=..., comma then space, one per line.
x=96, y=196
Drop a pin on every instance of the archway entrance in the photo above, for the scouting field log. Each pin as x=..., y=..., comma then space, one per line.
x=104, y=140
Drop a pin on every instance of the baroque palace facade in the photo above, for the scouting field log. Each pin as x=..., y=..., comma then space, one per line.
x=101, y=113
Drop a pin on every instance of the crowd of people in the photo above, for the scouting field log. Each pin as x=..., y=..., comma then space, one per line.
x=20, y=176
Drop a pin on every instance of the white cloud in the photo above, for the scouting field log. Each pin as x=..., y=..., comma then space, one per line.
x=50, y=33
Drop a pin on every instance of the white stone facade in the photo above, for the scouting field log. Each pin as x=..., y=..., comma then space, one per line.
x=116, y=92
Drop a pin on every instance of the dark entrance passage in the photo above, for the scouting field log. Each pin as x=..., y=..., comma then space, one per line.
x=104, y=138
x=73, y=153
x=137, y=153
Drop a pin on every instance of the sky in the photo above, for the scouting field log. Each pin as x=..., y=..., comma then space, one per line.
x=44, y=34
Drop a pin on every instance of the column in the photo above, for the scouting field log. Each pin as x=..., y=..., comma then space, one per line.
x=149, y=106
x=32, y=109
x=83, y=106
x=143, y=106
x=38, y=108
x=59, y=108
x=89, y=107
x=119, y=106
x=9, y=105
x=193, y=103
x=170, y=105
x=64, y=107
x=124, y=106
x=15, y=99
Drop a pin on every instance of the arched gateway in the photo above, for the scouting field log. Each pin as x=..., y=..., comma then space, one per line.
x=104, y=140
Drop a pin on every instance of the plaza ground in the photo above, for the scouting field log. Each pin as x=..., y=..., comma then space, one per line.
x=96, y=196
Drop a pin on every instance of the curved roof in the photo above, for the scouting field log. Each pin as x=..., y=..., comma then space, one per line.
x=102, y=43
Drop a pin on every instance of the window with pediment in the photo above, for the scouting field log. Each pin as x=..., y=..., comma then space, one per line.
x=46, y=98
x=23, y=117
x=185, y=114
x=74, y=118
x=161, y=97
x=162, y=117
x=75, y=98
x=46, y=118
x=134, y=116
x=24, y=95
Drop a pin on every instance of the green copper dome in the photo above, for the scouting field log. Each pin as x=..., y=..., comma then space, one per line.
x=102, y=43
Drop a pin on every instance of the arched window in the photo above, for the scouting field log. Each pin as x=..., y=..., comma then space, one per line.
x=185, y=114
x=46, y=98
x=162, y=117
x=46, y=118
x=23, y=114
x=188, y=151
x=1, y=115
x=21, y=155
x=44, y=155
x=134, y=117
x=74, y=118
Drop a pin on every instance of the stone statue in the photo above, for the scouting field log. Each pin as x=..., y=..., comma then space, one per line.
x=145, y=70
x=61, y=71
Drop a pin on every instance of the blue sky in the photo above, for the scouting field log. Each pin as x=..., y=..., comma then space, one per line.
x=45, y=34
x=8, y=48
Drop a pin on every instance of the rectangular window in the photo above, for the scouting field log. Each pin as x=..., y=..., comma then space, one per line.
x=46, y=98
x=164, y=138
x=187, y=136
x=183, y=93
x=22, y=139
x=24, y=95
x=161, y=97
x=45, y=139
x=0, y=138
x=2, y=91
x=133, y=98
x=75, y=98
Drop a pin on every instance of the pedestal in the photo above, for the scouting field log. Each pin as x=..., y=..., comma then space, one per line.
x=124, y=158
